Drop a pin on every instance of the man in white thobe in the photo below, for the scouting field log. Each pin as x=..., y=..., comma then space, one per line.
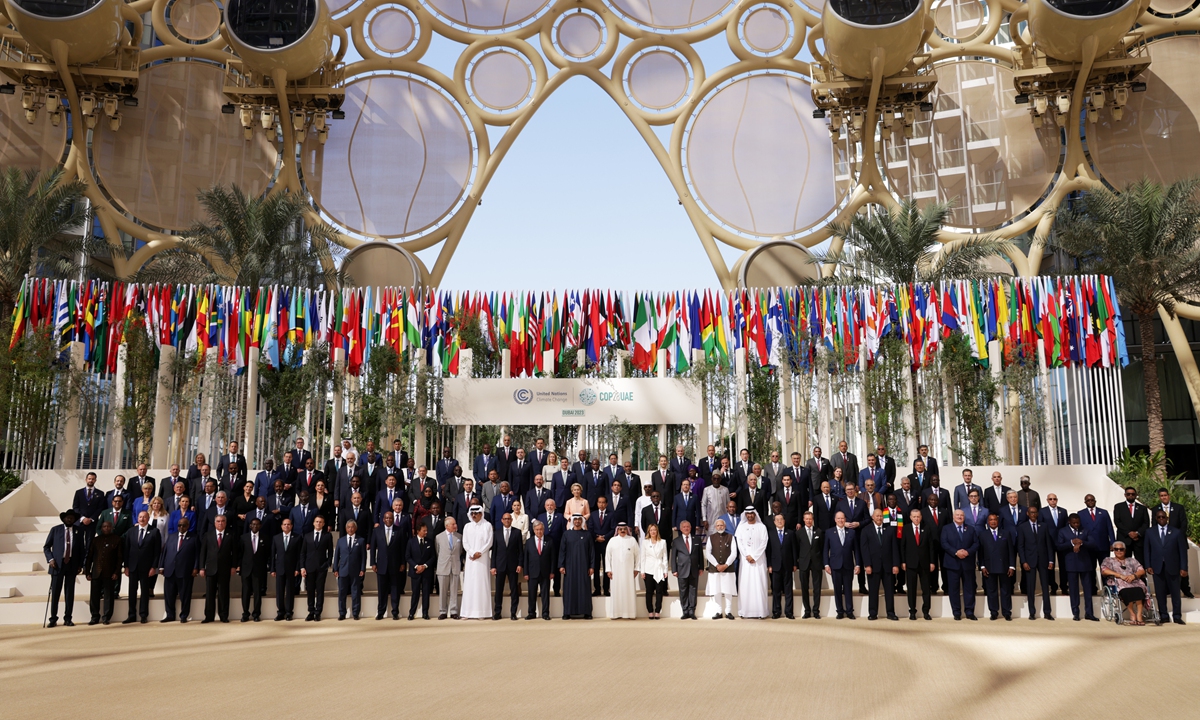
x=477, y=576
x=621, y=559
x=751, y=537
x=642, y=501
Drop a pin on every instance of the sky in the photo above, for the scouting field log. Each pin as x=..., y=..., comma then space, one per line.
x=579, y=201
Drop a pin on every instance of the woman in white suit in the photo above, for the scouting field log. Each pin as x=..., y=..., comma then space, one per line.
x=653, y=562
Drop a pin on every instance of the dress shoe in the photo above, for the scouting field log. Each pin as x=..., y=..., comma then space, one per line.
x=452, y=617
x=167, y=620
x=93, y=621
x=841, y=616
x=441, y=616
x=395, y=616
x=245, y=618
x=53, y=623
x=1008, y=618
x=68, y=623
x=224, y=620
x=1076, y=618
x=1177, y=621
x=790, y=617
x=816, y=615
x=892, y=616
x=279, y=618
x=128, y=621
x=1093, y=618
x=1187, y=595
x=728, y=616
x=607, y=593
x=872, y=617
x=410, y=617
x=912, y=615
x=545, y=617
x=341, y=617
x=595, y=593
x=587, y=617
x=496, y=616
x=531, y=617
x=928, y=616
x=205, y=621
x=850, y=616
x=807, y=614
x=958, y=617
x=718, y=616
x=971, y=617
x=289, y=617
x=774, y=616
x=994, y=616
x=379, y=616
x=309, y=617
x=514, y=617
x=144, y=620
x=1049, y=617
x=183, y=621
x=317, y=617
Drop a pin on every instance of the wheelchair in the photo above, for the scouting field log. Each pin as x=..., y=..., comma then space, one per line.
x=1113, y=610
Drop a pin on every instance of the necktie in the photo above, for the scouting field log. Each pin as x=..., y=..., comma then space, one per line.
x=318, y=535
x=450, y=540
x=780, y=537
x=539, y=546
x=219, y=539
x=179, y=543
x=787, y=495
x=601, y=517
x=960, y=530
x=142, y=539
x=841, y=536
x=285, y=542
x=253, y=543
x=995, y=535
x=1093, y=513
x=810, y=536
x=387, y=536
x=688, y=542
x=1130, y=509
x=67, y=549
x=1162, y=532
x=917, y=535
x=1035, y=529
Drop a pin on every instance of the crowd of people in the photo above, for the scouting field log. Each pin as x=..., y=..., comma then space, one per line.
x=537, y=524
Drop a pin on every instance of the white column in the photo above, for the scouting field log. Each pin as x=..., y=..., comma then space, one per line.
x=336, y=419
x=662, y=429
x=462, y=433
x=702, y=432
x=951, y=425
x=68, y=452
x=824, y=408
x=306, y=426
x=865, y=444
x=786, y=441
x=910, y=422
x=115, y=437
x=1050, y=436
x=622, y=452
x=251, y=408
x=581, y=362
x=995, y=359
x=204, y=443
x=506, y=363
x=548, y=361
x=419, y=444
x=162, y=404
x=739, y=368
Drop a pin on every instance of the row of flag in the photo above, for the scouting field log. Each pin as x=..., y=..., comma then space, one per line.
x=1075, y=319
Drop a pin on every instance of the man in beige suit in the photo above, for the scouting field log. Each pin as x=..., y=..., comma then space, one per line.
x=449, y=569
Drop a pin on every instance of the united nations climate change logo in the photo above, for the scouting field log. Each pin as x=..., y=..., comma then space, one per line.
x=523, y=396
x=587, y=396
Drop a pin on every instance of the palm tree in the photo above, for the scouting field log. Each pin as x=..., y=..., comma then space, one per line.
x=1148, y=239
x=901, y=245
x=256, y=241
x=36, y=211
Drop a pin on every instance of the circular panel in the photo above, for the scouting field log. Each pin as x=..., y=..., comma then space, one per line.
x=397, y=164
x=766, y=30
x=579, y=35
x=336, y=6
x=194, y=20
x=817, y=6
x=501, y=79
x=381, y=264
x=671, y=14
x=959, y=19
x=757, y=159
x=391, y=29
x=977, y=149
x=1171, y=7
x=1158, y=135
x=778, y=264
x=658, y=79
x=488, y=15
x=176, y=143
x=29, y=146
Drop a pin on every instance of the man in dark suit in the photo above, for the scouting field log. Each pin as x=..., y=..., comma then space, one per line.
x=751, y=495
x=662, y=478
x=686, y=558
x=996, y=495
x=535, y=499
x=847, y=461
x=118, y=516
x=287, y=555
x=873, y=472
x=400, y=456
x=65, y=550
x=507, y=546
x=501, y=504
x=881, y=563
x=333, y=466
x=855, y=510
x=706, y=465
x=421, y=559
x=656, y=513
x=1091, y=516
x=842, y=562
x=962, y=492
x=385, y=497
x=742, y=469
x=1176, y=518
x=506, y=455
x=445, y=467
x=906, y=499
x=791, y=501
x=466, y=497
x=232, y=456
x=143, y=545
x=819, y=470
x=998, y=564
x=888, y=463
x=1037, y=550
x=959, y=546
x=219, y=553
x=781, y=563
x=1166, y=561
x=256, y=558
x=938, y=517
x=317, y=559
x=119, y=490
x=88, y=504
x=1078, y=550
x=919, y=479
x=484, y=463
x=1012, y=514
x=824, y=506
x=918, y=550
x=686, y=507
x=1132, y=520
x=1056, y=518
x=801, y=483
x=931, y=463
x=810, y=541
x=288, y=472
x=539, y=568
x=556, y=525
x=264, y=480
x=935, y=487
x=388, y=544
x=520, y=474
x=350, y=567
x=633, y=487
x=179, y=565
x=356, y=511
x=301, y=454
x=166, y=486
x=602, y=525
x=308, y=478
x=620, y=504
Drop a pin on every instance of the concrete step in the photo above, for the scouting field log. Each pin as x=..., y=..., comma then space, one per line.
x=8, y=591
x=21, y=567
x=11, y=544
x=33, y=525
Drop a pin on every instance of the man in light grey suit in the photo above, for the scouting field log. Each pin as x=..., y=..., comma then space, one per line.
x=772, y=473
x=449, y=569
x=686, y=565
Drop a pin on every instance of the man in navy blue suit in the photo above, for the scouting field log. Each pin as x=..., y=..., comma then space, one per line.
x=1091, y=516
x=602, y=524
x=501, y=504
x=959, y=546
x=1072, y=543
x=507, y=546
x=65, y=550
x=179, y=565
x=484, y=463
x=88, y=504
x=1166, y=561
x=388, y=544
x=1038, y=551
x=555, y=527
x=1056, y=518
x=349, y=567
x=686, y=506
x=842, y=562
x=881, y=563
x=998, y=564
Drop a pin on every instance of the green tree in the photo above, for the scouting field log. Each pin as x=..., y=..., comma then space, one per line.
x=1147, y=238
x=257, y=241
x=36, y=211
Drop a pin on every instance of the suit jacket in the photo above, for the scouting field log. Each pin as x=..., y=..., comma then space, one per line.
x=664, y=520
x=810, y=554
x=1006, y=518
x=761, y=500
x=942, y=493
x=166, y=486
x=538, y=565
x=1037, y=549
x=215, y=559
x=989, y=498
x=848, y=464
x=781, y=556
x=878, y=474
x=888, y=463
x=931, y=465
x=435, y=523
x=688, y=509
x=286, y=562
x=535, y=505
x=387, y=558
x=944, y=518
x=605, y=530
x=303, y=482
x=55, y=548
x=520, y=479
x=500, y=504
x=687, y=564
x=180, y=556
x=997, y=555
x=125, y=496
x=223, y=464
x=1046, y=515
x=801, y=483
x=538, y=459
x=554, y=528
x=918, y=556
x=773, y=476
x=1125, y=523
x=854, y=513
x=663, y=483
x=208, y=519
x=444, y=469
x=976, y=518
x=1176, y=516
x=1081, y=561
x=449, y=560
x=365, y=519
x=818, y=472
x=1103, y=521
x=952, y=540
x=382, y=504
x=418, y=554
x=879, y=554
x=741, y=470
x=141, y=554
x=89, y=506
x=318, y=555
x=372, y=480
x=1166, y=555
x=914, y=500
x=505, y=457
x=255, y=564
x=506, y=557
x=350, y=556
x=172, y=503
x=482, y=466
x=706, y=465
x=839, y=554
x=962, y=495
x=823, y=512
x=120, y=521
x=920, y=481
x=332, y=469
x=794, y=508
x=620, y=508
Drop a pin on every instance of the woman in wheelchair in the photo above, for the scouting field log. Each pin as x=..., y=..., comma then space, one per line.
x=1126, y=574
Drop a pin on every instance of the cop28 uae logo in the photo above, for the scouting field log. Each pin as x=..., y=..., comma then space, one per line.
x=587, y=396
x=523, y=396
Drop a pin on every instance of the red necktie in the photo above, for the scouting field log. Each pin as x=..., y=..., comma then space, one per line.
x=917, y=536
x=539, y=546
x=935, y=517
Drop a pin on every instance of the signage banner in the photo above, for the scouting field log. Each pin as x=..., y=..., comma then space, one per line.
x=570, y=401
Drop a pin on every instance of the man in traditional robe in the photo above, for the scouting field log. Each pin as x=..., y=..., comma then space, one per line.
x=477, y=575
x=751, y=537
x=575, y=565
x=621, y=559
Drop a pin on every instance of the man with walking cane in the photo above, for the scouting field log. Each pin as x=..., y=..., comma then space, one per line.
x=65, y=553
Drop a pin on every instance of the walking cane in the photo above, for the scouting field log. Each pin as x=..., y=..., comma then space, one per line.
x=46, y=616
